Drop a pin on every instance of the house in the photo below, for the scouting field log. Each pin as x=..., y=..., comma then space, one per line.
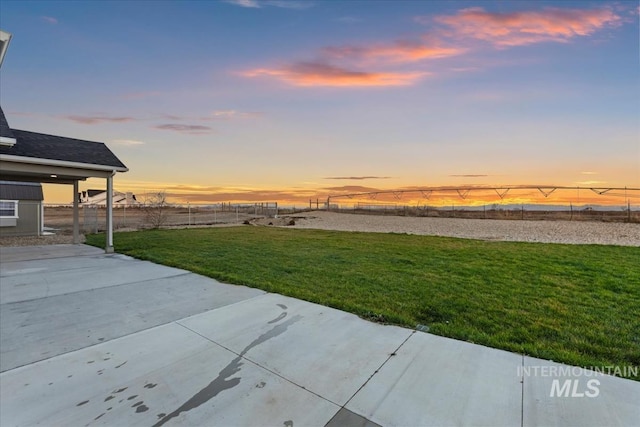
x=32, y=157
x=99, y=198
x=21, y=208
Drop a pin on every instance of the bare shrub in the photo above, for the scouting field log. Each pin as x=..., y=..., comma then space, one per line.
x=156, y=209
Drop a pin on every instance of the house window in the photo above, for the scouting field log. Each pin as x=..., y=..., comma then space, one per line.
x=8, y=209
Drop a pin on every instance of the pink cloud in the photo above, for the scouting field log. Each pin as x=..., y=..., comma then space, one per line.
x=528, y=27
x=401, y=51
x=323, y=74
x=190, y=129
x=92, y=120
x=231, y=114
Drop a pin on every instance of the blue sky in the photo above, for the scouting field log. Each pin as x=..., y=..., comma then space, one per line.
x=253, y=100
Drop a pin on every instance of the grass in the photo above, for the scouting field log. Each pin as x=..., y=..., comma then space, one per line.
x=575, y=304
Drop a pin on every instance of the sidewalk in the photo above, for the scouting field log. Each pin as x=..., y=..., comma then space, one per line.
x=94, y=339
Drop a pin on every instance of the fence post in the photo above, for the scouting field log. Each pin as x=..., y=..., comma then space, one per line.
x=571, y=207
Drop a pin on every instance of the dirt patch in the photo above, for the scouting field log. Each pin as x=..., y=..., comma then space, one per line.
x=283, y=221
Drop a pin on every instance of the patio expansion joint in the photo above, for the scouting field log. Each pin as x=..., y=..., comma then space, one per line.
x=260, y=366
x=186, y=273
x=378, y=369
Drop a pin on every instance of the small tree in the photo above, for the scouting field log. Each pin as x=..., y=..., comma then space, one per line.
x=156, y=209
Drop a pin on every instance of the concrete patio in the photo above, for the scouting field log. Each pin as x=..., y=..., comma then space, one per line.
x=88, y=338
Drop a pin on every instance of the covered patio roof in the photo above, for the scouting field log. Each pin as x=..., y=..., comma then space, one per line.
x=37, y=157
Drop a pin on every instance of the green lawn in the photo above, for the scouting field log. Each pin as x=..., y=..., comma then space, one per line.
x=577, y=304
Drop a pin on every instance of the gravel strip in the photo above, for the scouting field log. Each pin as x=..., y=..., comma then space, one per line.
x=54, y=239
x=572, y=232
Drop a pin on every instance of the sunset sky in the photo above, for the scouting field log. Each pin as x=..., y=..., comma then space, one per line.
x=274, y=100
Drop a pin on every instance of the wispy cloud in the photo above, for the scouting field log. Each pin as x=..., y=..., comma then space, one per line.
x=244, y=3
x=469, y=175
x=231, y=114
x=589, y=173
x=351, y=189
x=360, y=66
x=356, y=178
x=324, y=74
x=49, y=19
x=284, y=4
x=400, y=51
x=190, y=129
x=93, y=120
x=527, y=27
x=127, y=142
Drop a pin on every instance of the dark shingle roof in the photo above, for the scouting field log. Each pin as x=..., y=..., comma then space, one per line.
x=11, y=190
x=5, y=131
x=51, y=147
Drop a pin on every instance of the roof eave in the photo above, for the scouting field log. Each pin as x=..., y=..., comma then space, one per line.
x=61, y=163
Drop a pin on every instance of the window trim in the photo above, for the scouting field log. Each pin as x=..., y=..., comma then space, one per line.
x=15, y=209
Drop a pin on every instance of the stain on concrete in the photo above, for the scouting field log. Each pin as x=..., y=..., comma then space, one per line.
x=132, y=397
x=261, y=384
x=221, y=382
x=142, y=408
x=120, y=390
x=90, y=361
x=150, y=385
x=161, y=415
x=83, y=403
x=282, y=306
x=120, y=365
x=288, y=423
x=109, y=398
x=272, y=333
x=99, y=416
x=135, y=405
x=279, y=318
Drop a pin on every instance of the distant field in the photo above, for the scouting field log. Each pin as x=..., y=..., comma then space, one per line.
x=61, y=218
x=576, y=304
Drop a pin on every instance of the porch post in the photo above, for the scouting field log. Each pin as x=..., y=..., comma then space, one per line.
x=41, y=231
x=76, y=216
x=109, y=202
